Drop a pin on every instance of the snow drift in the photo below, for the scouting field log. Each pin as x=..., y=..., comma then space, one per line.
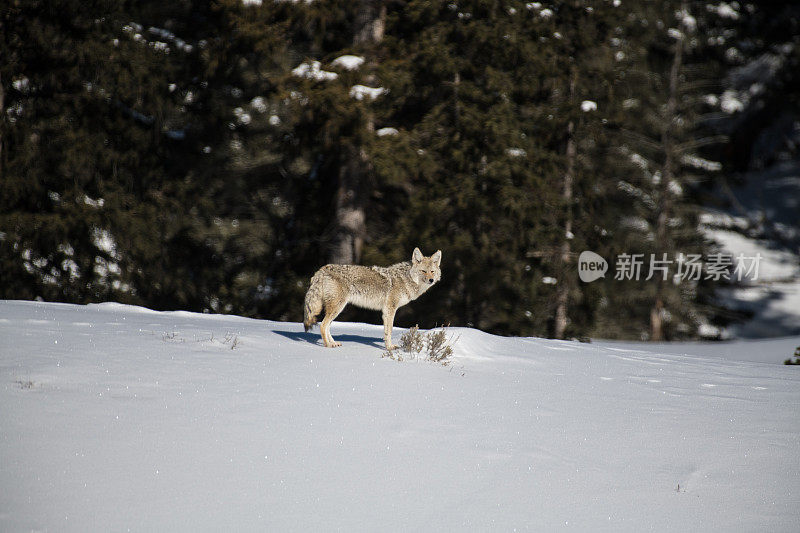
x=116, y=417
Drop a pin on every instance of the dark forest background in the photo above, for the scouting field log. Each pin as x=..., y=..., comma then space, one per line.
x=210, y=156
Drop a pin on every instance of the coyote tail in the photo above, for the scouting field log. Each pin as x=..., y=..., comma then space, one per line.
x=313, y=303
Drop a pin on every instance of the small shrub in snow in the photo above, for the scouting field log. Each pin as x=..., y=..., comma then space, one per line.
x=436, y=345
x=232, y=339
x=389, y=354
x=171, y=336
x=795, y=359
x=411, y=341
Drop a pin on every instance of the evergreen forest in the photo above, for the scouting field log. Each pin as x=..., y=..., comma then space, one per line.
x=212, y=155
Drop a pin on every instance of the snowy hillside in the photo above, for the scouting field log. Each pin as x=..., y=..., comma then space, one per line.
x=762, y=219
x=119, y=418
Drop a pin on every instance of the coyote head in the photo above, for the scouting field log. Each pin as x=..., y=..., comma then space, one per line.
x=425, y=270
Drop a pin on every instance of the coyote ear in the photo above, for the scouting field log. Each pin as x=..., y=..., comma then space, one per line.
x=437, y=257
x=416, y=257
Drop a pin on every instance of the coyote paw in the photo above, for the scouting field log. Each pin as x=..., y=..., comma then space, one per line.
x=334, y=344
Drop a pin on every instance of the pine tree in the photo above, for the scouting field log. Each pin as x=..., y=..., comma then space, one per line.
x=54, y=135
x=464, y=90
x=583, y=107
x=661, y=136
x=352, y=191
x=98, y=186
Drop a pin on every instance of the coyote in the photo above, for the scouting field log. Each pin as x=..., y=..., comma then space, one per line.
x=380, y=288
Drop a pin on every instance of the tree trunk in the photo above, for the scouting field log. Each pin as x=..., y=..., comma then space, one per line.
x=370, y=22
x=2, y=113
x=656, y=322
x=667, y=176
x=350, y=219
x=348, y=238
x=562, y=292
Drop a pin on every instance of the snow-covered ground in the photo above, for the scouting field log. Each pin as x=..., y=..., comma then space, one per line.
x=762, y=218
x=116, y=418
x=773, y=300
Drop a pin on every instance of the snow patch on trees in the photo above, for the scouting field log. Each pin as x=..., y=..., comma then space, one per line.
x=724, y=10
x=731, y=102
x=97, y=204
x=348, y=62
x=242, y=117
x=360, y=92
x=312, y=71
x=104, y=241
x=259, y=104
x=699, y=162
x=21, y=84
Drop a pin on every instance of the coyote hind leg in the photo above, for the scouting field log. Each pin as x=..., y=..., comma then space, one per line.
x=332, y=310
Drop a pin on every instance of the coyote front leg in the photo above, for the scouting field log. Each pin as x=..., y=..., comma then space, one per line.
x=388, y=321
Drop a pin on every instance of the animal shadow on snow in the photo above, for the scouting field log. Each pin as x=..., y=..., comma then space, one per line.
x=314, y=338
